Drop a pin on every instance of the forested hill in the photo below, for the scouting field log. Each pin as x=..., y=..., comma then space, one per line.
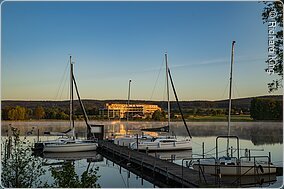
x=240, y=103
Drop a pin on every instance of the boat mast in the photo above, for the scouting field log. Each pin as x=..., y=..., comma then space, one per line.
x=168, y=92
x=71, y=99
x=128, y=100
x=230, y=97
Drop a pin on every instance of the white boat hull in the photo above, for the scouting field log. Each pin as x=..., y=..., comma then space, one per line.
x=159, y=146
x=236, y=170
x=73, y=147
x=127, y=140
x=124, y=141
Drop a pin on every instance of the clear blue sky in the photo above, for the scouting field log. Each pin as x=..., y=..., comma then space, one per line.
x=112, y=42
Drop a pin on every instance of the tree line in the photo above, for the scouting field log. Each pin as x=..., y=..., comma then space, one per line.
x=39, y=112
x=23, y=113
x=260, y=109
x=266, y=109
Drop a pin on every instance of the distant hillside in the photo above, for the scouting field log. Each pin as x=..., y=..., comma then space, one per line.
x=240, y=103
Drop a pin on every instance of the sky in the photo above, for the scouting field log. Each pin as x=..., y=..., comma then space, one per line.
x=112, y=42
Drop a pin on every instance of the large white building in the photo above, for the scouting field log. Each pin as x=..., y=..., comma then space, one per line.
x=131, y=110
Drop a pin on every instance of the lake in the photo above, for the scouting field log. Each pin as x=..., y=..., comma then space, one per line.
x=260, y=137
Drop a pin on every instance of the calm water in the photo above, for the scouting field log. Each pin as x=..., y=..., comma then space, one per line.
x=111, y=175
x=261, y=138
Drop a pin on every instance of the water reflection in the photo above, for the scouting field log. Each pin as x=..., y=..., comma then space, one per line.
x=91, y=156
x=258, y=135
x=122, y=129
x=65, y=176
x=258, y=132
x=110, y=174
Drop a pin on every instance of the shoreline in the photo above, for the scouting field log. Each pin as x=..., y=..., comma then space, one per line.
x=145, y=121
x=80, y=124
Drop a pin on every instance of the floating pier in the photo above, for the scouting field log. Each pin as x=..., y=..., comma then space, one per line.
x=159, y=172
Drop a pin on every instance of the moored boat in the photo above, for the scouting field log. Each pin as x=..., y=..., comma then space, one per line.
x=234, y=166
x=230, y=166
x=163, y=144
x=71, y=144
x=126, y=140
x=170, y=142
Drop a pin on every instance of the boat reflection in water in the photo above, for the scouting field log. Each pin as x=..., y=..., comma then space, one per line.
x=91, y=156
x=65, y=170
x=172, y=155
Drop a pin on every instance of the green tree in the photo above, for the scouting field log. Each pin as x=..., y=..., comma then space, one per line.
x=219, y=112
x=194, y=111
x=17, y=113
x=21, y=113
x=163, y=115
x=5, y=112
x=278, y=110
x=19, y=168
x=50, y=113
x=157, y=115
x=93, y=111
x=214, y=112
x=39, y=112
x=199, y=111
x=266, y=109
x=29, y=113
x=62, y=115
x=12, y=114
x=67, y=177
x=275, y=7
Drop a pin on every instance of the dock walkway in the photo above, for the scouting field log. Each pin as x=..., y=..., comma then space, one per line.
x=171, y=174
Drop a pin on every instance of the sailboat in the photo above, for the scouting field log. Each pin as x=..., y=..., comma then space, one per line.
x=166, y=143
x=234, y=166
x=71, y=144
x=126, y=139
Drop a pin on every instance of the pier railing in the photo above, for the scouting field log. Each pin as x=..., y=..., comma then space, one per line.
x=157, y=169
x=189, y=164
x=256, y=173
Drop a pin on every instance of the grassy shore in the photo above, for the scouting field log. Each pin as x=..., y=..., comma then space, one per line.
x=234, y=118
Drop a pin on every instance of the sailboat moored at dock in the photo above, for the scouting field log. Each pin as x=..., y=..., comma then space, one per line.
x=169, y=142
x=234, y=166
x=70, y=144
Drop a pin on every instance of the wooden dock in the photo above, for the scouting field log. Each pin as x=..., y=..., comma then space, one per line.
x=159, y=172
